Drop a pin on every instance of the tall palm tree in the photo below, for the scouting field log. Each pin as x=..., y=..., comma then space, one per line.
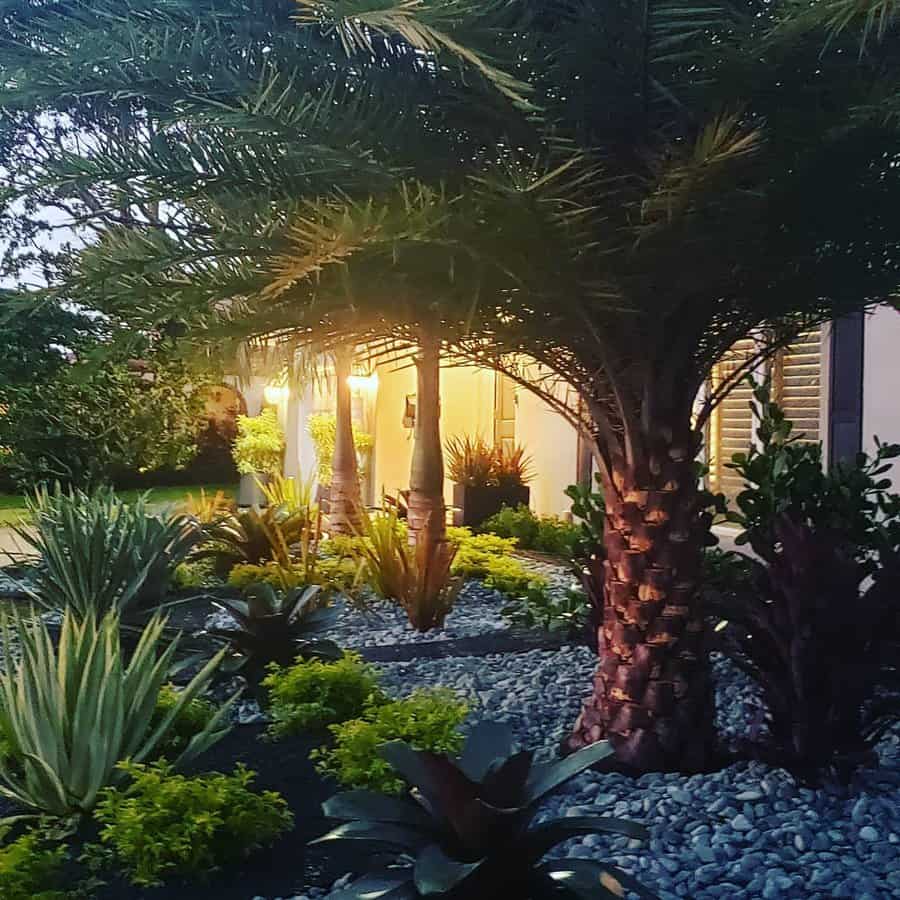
x=427, y=514
x=345, y=508
x=615, y=192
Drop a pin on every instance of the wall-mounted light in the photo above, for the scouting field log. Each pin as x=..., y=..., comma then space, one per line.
x=364, y=384
x=275, y=393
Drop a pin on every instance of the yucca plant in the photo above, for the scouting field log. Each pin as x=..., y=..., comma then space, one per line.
x=98, y=553
x=470, y=461
x=418, y=578
x=468, y=825
x=72, y=713
x=274, y=626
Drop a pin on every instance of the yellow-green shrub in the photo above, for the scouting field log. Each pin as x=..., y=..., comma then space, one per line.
x=426, y=720
x=313, y=694
x=31, y=870
x=340, y=574
x=161, y=823
x=259, y=444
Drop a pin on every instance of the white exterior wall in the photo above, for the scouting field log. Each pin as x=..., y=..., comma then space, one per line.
x=881, y=381
x=552, y=444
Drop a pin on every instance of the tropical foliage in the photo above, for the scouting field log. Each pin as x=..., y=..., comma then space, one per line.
x=313, y=694
x=468, y=825
x=161, y=824
x=72, y=713
x=426, y=720
x=473, y=462
x=419, y=578
x=259, y=446
x=537, y=607
x=277, y=626
x=814, y=616
x=99, y=553
x=546, y=534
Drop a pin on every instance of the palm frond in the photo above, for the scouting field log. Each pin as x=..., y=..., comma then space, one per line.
x=426, y=26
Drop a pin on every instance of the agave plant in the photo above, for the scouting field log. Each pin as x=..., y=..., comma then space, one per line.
x=418, y=578
x=273, y=626
x=71, y=714
x=469, y=825
x=98, y=553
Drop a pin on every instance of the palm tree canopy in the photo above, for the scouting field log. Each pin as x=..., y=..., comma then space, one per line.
x=621, y=190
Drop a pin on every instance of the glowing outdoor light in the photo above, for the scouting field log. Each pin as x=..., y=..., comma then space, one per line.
x=363, y=383
x=275, y=393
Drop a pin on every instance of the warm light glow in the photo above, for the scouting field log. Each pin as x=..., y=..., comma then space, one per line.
x=363, y=383
x=275, y=393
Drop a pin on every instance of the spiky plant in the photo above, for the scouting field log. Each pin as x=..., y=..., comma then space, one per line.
x=273, y=626
x=468, y=825
x=98, y=553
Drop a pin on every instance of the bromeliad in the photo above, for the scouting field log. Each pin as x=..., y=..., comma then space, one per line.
x=467, y=826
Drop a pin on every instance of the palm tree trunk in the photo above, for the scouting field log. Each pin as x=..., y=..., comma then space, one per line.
x=427, y=514
x=651, y=695
x=345, y=502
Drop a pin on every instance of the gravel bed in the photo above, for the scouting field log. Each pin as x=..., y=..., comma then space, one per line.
x=747, y=832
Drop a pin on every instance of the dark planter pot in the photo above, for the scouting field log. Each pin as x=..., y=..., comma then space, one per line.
x=475, y=504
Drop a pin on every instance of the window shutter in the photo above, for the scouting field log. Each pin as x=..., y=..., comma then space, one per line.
x=796, y=383
x=731, y=424
x=796, y=387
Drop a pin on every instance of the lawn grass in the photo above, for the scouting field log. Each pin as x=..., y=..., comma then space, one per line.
x=12, y=506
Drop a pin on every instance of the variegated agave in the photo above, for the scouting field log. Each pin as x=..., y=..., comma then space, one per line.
x=273, y=626
x=466, y=828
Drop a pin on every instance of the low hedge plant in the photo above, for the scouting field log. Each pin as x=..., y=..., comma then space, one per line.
x=426, y=719
x=161, y=824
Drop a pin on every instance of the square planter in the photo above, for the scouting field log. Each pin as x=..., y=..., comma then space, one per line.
x=476, y=504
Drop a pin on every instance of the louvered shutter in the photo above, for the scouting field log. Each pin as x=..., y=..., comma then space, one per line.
x=796, y=387
x=731, y=424
x=796, y=383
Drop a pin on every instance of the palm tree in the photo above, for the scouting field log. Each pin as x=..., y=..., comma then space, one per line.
x=613, y=194
x=345, y=500
x=427, y=515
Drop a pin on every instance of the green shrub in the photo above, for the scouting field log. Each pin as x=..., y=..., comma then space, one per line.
x=538, y=608
x=162, y=824
x=546, y=534
x=427, y=720
x=510, y=577
x=29, y=869
x=313, y=693
x=200, y=573
x=191, y=719
x=487, y=557
x=259, y=445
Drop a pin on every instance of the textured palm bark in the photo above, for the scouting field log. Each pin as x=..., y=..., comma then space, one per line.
x=651, y=697
x=345, y=499
x=427, y=516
